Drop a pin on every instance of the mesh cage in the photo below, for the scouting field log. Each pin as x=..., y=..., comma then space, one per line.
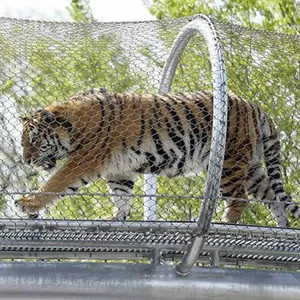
x=81, y=123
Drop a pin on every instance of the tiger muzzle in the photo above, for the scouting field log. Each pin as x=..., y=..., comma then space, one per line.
x=46, y=163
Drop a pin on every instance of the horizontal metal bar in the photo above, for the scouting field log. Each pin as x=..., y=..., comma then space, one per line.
x=61, y=255
x=105, y=256
x=114, y=251
x=128, y=281
x=93, y=246
x=217, y=228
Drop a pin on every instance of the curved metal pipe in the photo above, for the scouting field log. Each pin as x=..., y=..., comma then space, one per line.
x=203, y=25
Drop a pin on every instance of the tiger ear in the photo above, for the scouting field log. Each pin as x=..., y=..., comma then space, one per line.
x=24, y=118
x=47, y=116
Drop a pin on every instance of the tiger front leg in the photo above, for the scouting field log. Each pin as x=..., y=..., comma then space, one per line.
x=60, y=182
x=121, y=190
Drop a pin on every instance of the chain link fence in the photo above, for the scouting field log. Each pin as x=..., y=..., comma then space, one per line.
x=91, y=151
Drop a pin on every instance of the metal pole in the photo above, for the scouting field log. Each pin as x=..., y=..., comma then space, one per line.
x=150, y=188
x=142, y=281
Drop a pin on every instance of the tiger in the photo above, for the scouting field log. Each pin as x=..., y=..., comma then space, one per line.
x=119, y=136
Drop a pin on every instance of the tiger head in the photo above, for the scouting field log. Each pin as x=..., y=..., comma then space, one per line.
x=45, y=139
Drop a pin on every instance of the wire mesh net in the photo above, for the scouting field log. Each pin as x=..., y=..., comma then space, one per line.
x=81, y=123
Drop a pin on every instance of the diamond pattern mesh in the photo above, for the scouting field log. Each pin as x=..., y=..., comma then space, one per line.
x=89, y=92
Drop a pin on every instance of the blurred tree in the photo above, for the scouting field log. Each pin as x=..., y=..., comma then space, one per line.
x=80, y=11
x=279, y=15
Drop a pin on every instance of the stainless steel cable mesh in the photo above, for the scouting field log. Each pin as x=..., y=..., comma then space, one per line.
x=42, y=63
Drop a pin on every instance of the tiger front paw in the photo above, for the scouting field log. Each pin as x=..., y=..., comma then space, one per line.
x=30, y=205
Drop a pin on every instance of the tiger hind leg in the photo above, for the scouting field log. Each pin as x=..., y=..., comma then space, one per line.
x=258, y=185
x=121, y=189
x=233, y=189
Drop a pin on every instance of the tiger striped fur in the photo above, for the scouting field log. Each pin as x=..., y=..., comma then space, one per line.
x=120, y=136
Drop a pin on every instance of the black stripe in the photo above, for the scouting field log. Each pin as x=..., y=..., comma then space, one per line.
x=275, y=176
x=253, y=189
x=123, y=182
x=73, y=189
x=293, y=210
x=77, y=135
x=158, y=143
x=205, y=155
x=111, y=118
x=201, y=135
x=273, y=148
x=192, y=144
x=272, y=161
x=179, y=142
x=65, y=123
x=124, y=144
x=149, y=164
x=264, y=197
x=272, y=170
x=278, y=188
x=256, y=183
x=136, y=151
x=120, y=189
x=227, y=172
x=181, y=164
x=195, y=130
x=235, y=182
x=100, y=129
x=84, y=182
x=127, y=183
x=174, y=115
x=86, y=139
x=256, y=119
x=204, y=110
